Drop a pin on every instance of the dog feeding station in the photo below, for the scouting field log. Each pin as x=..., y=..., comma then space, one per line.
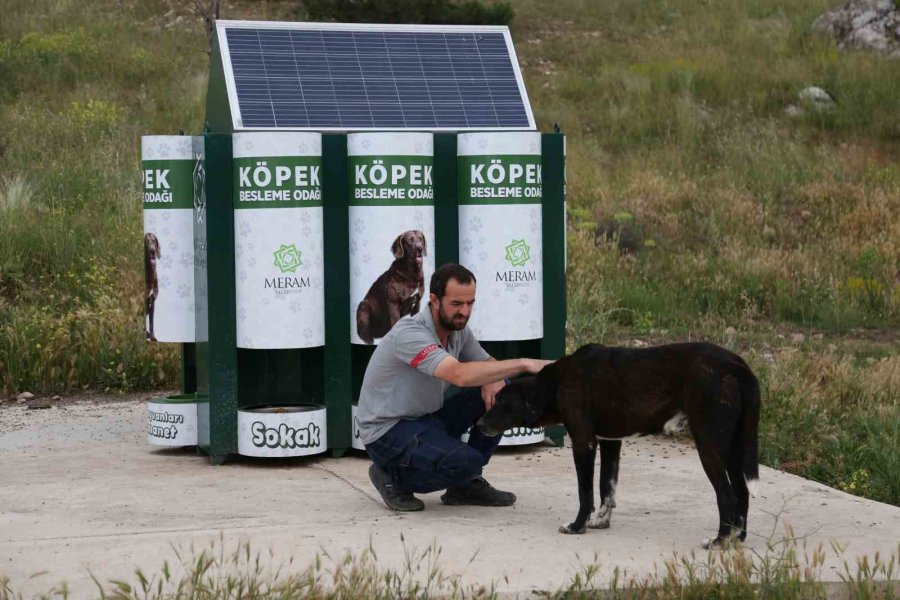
x=340, y=165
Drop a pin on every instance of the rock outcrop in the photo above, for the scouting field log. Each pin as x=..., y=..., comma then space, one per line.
x=865, y=25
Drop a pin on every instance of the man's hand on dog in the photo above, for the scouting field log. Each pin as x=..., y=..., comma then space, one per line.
x=534, y=365
x=489, y=393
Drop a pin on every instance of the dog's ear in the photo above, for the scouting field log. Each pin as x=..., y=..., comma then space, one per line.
x=424, y=244
x=397, y=247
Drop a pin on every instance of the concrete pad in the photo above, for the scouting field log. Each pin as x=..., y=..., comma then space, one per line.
x=82, y=492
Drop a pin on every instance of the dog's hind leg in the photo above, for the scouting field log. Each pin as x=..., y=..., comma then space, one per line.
x=741, y=492
x=609, y=477
x=711, y=457
x=584, y=450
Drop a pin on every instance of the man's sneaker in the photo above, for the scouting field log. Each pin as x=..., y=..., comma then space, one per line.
x=477, y=492
x=394, y=497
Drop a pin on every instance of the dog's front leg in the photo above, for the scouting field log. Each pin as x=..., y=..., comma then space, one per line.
x=609, y=477
x=584, y=451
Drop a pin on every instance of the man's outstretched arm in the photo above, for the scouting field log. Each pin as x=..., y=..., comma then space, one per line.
x=472, y=374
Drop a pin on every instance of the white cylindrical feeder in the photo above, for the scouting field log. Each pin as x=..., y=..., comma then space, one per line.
x=172, y=421
x=500, y=232
x=167, y=175
x=391, y=229
x=518, y=436
x=279, y=251
x=355, y=441
x=282, y=431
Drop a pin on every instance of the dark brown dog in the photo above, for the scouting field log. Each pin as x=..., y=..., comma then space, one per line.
x=603, y=394
x=151, y=253
x=397, y=292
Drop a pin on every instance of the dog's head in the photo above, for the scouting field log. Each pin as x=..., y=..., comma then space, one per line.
x=521, y=403
x=410, y=244
x=151, y=247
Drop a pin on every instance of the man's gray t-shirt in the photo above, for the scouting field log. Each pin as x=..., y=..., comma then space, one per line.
x=399, y=381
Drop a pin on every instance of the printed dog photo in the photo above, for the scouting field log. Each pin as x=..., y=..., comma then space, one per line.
x=151, y=254
x=398, y=291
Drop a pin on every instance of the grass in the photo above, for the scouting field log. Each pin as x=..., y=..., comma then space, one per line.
x=699, y=209
x=786, y=569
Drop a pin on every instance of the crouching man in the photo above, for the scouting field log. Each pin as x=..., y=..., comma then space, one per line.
x=411, y=433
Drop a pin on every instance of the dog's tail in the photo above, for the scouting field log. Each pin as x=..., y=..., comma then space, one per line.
x=749, y=428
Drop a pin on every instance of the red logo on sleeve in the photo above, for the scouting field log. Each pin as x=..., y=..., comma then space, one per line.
x=423, y=355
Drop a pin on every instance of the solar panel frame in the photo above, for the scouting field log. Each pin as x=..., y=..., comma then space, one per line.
x=423, y=118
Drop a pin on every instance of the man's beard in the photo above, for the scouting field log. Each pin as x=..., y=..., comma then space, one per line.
x=447, y=322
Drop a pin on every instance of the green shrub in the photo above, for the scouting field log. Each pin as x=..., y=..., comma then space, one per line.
x=436, y=12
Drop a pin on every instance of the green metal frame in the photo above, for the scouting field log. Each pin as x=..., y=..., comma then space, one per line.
x=338, y=365
x=219, y=355
x=553, y=344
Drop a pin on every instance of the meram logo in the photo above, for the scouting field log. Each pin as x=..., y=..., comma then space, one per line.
x=518, y=253
x=287, y=258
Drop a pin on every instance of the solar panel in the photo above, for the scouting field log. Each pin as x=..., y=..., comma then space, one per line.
x=359, y=77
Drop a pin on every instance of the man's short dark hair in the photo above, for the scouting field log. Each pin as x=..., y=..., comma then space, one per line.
x=445, y=273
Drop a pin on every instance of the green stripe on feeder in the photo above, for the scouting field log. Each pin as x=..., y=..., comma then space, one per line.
x=278, y=230
x=391, y=214
x=500, y=232
x=168, y=200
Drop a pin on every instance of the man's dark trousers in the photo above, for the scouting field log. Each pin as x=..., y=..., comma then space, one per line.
x=425, y=454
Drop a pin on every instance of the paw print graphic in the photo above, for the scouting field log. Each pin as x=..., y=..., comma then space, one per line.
x=467, y=245
x=183, y=290
x=366, y=144
x=251, y=262
x=242, y=276
x=245, y=229
x=307, y=333
x=523, y=299
x=164, y=282
x=186, y=259
x=475, y=224
x=483, y=255
x=294, y=307
x=496, y=292
x=358, y=225
x=167, y=216
x=266, y=301
x=354, y=246
x=242, y=314
x=482, y=143
x=367, y=258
